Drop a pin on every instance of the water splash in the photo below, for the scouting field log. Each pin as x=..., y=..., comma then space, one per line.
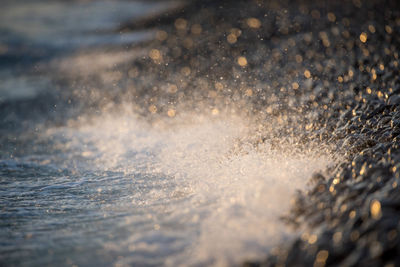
x=206, y=193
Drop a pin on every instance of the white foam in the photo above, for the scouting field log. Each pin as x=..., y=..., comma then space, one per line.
x=232, y=192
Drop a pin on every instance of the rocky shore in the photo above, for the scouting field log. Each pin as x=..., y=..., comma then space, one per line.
x=320, y=72
x=325, y=72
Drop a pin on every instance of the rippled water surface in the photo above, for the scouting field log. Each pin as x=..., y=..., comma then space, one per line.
x=118, y=191
x=115, y=189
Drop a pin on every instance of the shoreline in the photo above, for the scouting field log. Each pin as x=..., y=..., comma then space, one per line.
x=324, y=73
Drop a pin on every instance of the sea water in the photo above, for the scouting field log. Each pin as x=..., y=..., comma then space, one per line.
x=117, y=189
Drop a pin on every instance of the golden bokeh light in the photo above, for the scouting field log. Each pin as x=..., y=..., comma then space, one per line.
x=371, y=28
x=231, y=38
x=253, y=23
x=331, y=17
x=249, y=92
x=161, y=35
x=352, y=214
x=180, y=24
x=312, y=239
x=242, y=61
x=152, y=109
x=321, y=258
x=388, y=29
x=375, y=208
x=363, y=37
x=171, y=112
x=155, y=54
x=237, y=32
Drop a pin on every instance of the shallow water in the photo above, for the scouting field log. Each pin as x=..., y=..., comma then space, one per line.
x=34, y=32
x=118, y=191
x=115, y=189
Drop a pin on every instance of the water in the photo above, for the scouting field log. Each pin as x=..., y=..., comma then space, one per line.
x=39, y=30
x=63, y=25
x=117, y=189
x=122, y=192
